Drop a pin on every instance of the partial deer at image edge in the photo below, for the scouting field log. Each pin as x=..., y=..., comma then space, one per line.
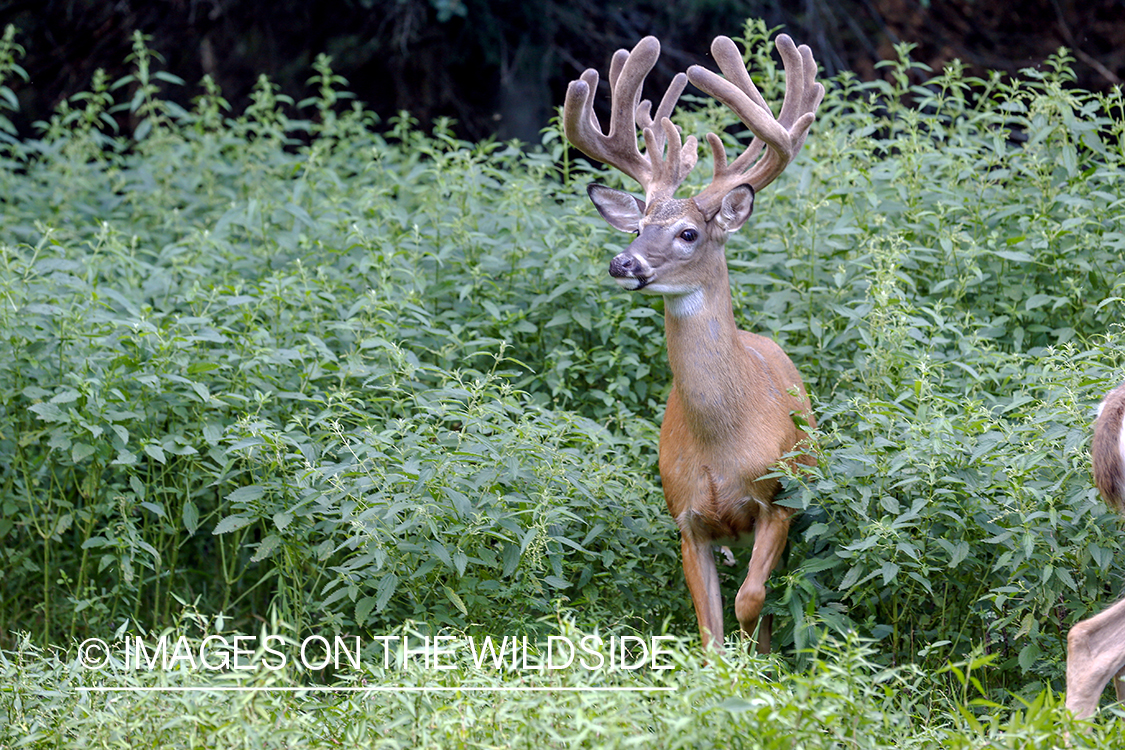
x=1096, y=646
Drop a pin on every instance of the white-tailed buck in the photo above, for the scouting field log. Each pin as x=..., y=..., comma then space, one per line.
x=730, y=413
x=1096, y=647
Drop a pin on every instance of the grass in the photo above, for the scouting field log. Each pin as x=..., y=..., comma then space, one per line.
x=844, y=698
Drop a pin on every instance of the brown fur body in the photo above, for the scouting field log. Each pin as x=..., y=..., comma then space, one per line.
x=726, y=425
x=728, y=420
x=1109, y=468
x=713, y=454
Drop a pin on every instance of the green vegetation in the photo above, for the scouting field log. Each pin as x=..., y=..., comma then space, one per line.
x=345, y=378
x=843, y=698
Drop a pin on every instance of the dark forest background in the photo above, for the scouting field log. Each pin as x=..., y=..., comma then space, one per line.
x=499, y=66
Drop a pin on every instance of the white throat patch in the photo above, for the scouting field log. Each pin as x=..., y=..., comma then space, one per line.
x=684, y=305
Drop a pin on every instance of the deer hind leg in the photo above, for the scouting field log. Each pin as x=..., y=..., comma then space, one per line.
x=770, y=535
x=703, y=583
x=1095, y=654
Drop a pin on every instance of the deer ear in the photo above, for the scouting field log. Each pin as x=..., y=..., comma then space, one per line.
x=736, y=208
x=620, y=209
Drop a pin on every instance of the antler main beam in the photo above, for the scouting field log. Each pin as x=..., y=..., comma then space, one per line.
x=659, y=173
x=782, y=136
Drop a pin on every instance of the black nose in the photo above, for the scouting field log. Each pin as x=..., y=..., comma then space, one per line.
x=623, y=265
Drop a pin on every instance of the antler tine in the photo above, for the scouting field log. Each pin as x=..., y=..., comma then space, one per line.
x=673, y=168
x=802, y=93
x=583, y=130
x=784, y=135
x=664, y=111
x=658, y=174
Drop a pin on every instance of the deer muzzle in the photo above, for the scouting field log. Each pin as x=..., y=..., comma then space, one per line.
x=630, y=270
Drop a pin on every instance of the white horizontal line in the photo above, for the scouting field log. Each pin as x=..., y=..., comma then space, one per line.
x=388, y=689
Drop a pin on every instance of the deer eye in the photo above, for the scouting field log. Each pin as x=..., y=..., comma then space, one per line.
x=689, y=235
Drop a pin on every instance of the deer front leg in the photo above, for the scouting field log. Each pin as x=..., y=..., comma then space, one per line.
x=1095, y=654
x=770, y=535
x=703, y=583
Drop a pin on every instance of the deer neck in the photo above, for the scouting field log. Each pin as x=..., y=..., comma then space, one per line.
x=711, y=371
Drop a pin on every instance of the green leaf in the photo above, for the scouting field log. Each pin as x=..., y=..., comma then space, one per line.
x=453, y=597
x=232, y=523
x=154, y=451
x=735, y=705
x=212, y=433
x=156, y=509
x=48, y=412
x=384, y=590
x=266, y=547
x=79, y=452
x=246, y=494
x=363, y=610
x=190, y=516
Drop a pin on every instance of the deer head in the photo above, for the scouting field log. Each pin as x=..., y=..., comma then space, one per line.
x=679, y=245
